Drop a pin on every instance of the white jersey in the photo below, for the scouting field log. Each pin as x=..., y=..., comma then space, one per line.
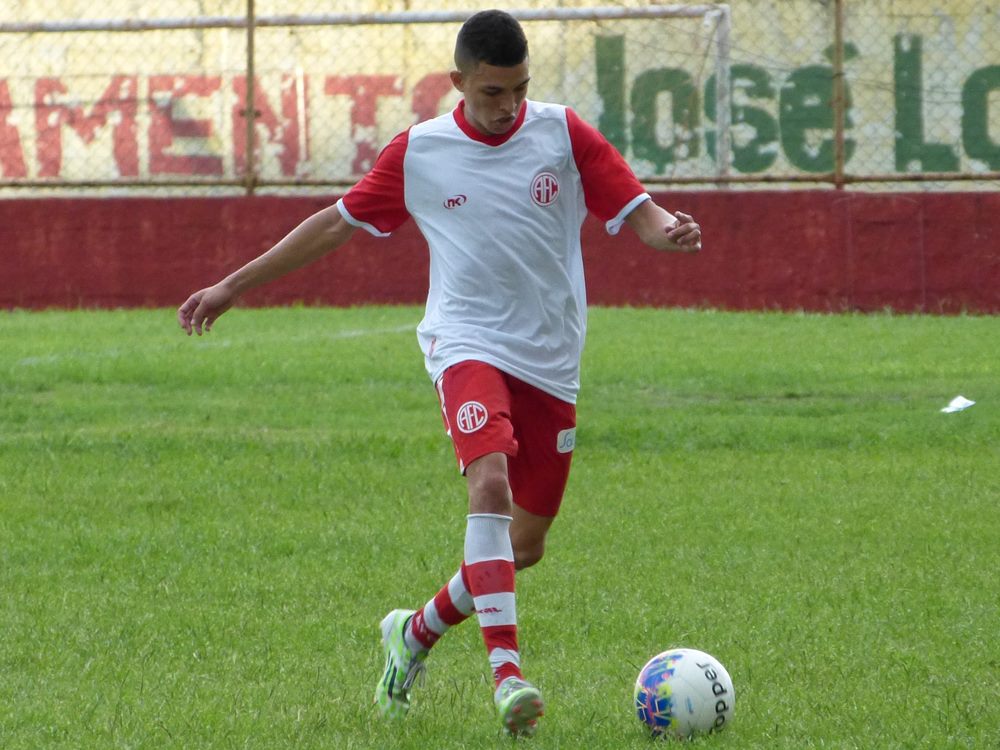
x=502, y=217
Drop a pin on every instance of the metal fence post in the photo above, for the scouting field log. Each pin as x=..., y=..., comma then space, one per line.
x=723, y=92
x=250, y=176
x=839, y=96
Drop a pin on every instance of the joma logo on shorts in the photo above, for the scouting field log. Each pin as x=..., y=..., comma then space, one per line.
x=566, y=440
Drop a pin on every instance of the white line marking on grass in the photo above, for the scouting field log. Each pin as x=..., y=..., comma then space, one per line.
x=118, y=352
x=369, y=332
x=329, y=336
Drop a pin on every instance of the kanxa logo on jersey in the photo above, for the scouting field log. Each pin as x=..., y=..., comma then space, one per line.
x=544, y=189
x=454, y=201
x=472, y=415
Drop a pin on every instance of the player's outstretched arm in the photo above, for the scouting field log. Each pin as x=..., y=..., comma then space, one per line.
x=663, y=230
x=322, y=232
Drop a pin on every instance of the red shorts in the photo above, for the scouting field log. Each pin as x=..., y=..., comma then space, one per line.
x=488, y=411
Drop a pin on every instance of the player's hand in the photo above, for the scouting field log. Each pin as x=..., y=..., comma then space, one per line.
x=204, y=307
x=687, y=234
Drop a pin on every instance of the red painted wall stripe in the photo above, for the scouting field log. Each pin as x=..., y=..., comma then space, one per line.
x=810, y=250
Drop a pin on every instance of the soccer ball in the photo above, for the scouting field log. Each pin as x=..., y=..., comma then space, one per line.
x=683, y=692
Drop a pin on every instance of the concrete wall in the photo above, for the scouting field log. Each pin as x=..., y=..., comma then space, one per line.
x=811, y=250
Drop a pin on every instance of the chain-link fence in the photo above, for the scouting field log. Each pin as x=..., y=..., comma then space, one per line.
x=867, y=91
x=231, y=95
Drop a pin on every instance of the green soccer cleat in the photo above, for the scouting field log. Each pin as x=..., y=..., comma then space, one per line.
x=402, y=666
x=519, y=704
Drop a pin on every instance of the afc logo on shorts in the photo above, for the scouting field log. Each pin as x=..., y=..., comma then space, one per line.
x=472, y=415
x=544, y=189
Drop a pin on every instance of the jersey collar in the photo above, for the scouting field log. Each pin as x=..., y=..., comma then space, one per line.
x=490, y=140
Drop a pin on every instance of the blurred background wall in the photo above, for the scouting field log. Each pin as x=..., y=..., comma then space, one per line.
x=841, y=154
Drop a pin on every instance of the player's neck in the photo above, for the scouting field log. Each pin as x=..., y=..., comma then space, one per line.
x=489, y=139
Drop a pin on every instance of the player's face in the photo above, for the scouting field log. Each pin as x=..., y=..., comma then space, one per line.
x=493, y=95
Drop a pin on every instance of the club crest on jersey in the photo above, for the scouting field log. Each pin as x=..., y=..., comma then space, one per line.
x=544, y=189
x=472, y=416
x=454, y=201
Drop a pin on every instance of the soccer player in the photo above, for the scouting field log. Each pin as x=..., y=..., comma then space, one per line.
x=499, y=188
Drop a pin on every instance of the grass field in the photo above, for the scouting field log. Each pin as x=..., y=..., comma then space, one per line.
x=198, y=537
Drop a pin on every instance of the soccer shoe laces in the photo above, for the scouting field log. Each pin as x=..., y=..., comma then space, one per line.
x=403, y=668
x=415, y=672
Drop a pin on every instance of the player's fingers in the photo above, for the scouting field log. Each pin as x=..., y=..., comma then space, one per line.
x=184, y=313
x=692, y=240
x=198, y=318
x=692, y=236
x=684, y=232
x=688, y=238
x=684, y=220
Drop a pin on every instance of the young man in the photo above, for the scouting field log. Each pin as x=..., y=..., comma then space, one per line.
x=499, y=188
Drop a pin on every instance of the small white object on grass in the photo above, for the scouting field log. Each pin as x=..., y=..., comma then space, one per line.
x=959, y=403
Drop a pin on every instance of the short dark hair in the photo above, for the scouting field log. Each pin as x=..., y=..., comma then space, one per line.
x=492, y=37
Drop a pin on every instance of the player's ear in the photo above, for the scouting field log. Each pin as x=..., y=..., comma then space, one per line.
x=457, y=80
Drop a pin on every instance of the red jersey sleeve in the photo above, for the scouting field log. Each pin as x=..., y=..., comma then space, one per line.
x=377, y=202
x=610, y=188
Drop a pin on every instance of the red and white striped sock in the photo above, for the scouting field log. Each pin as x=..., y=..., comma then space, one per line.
x=450, y=606
x=489, y=565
